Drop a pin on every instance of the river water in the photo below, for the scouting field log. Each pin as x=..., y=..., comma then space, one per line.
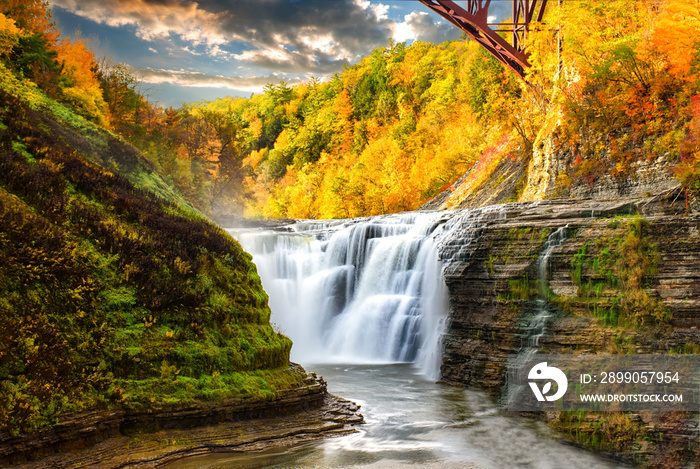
x=414, y=422
x=365, y=303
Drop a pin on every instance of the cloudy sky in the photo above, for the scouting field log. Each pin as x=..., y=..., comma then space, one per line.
x=187, y=50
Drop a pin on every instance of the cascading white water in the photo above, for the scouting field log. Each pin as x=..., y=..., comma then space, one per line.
x=358, y=291
x=536, y=325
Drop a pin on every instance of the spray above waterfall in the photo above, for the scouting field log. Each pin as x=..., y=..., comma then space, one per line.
x=365, y=290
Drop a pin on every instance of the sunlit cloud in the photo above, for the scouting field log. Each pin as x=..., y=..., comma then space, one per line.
x=274, y=32
x=194, y=79
x=154, y=20
x=421, y=26
x=300, y=38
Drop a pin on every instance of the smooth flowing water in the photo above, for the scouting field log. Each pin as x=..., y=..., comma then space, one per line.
x=413, y=422
x=365, y=303
x=358, y=291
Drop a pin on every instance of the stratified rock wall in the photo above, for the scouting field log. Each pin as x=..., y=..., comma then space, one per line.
x=491, y=275
x=548, y=172
x=482, y=261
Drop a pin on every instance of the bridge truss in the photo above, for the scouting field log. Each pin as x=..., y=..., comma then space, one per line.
x=473, y=20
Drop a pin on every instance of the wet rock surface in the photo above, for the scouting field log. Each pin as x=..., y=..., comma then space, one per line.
x=491, y=265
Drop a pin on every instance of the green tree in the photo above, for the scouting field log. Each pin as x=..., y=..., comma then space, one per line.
x=34, y=59
x=120, y=89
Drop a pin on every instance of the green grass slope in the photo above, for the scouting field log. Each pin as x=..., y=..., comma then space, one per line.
x=113, y=291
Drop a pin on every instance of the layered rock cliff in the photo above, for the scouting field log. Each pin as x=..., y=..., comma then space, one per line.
x=491, y=274
x=549, y=170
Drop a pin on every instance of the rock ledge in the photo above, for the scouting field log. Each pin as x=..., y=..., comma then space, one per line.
x=145, y=439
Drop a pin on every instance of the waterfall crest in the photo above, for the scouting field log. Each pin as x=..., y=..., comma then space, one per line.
x=356, y=291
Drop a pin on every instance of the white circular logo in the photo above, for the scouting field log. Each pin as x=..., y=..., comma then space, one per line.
x=550, y=373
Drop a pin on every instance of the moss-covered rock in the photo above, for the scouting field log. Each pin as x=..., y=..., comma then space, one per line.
x=114, y=293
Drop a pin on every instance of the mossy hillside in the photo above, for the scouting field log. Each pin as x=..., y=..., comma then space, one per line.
x=97, y=144
x=111, y=295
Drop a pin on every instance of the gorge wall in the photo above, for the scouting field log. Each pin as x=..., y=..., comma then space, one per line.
x=491, y=272
x=553, y=170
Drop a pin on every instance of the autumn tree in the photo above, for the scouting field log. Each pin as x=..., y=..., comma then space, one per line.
x=9, y=36
x=33, y=16
x=34, y=56
x=225, y=119
x=82, y=90
x=120, y=90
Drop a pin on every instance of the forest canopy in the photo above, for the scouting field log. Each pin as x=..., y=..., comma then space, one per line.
x=611, y=84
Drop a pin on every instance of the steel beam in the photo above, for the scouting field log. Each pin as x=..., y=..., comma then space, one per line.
x=473, y=20
x=523, y=13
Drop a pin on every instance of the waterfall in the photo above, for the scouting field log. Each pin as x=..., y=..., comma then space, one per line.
x=536, y=325
x=356, y=291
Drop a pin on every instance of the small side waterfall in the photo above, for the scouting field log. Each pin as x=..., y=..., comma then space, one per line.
x=536, y=325
x=365, y=290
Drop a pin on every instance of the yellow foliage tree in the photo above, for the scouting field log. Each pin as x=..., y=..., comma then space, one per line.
x=676, y=35
x=9, y=35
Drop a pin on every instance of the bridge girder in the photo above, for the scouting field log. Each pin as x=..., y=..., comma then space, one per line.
x=473, y=20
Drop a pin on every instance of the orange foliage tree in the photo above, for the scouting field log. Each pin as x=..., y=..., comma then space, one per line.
x=83, y=92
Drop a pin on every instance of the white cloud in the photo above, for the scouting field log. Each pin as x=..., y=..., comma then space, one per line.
x=196, y=79
x=154, y=20
x=273, y=55
x=421, y=26
x=404, y=31
x=380, y=11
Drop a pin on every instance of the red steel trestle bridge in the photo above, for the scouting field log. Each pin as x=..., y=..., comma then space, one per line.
x=473, y=20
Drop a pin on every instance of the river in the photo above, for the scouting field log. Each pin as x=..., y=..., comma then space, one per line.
x=414, y=422
x=365, y=303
